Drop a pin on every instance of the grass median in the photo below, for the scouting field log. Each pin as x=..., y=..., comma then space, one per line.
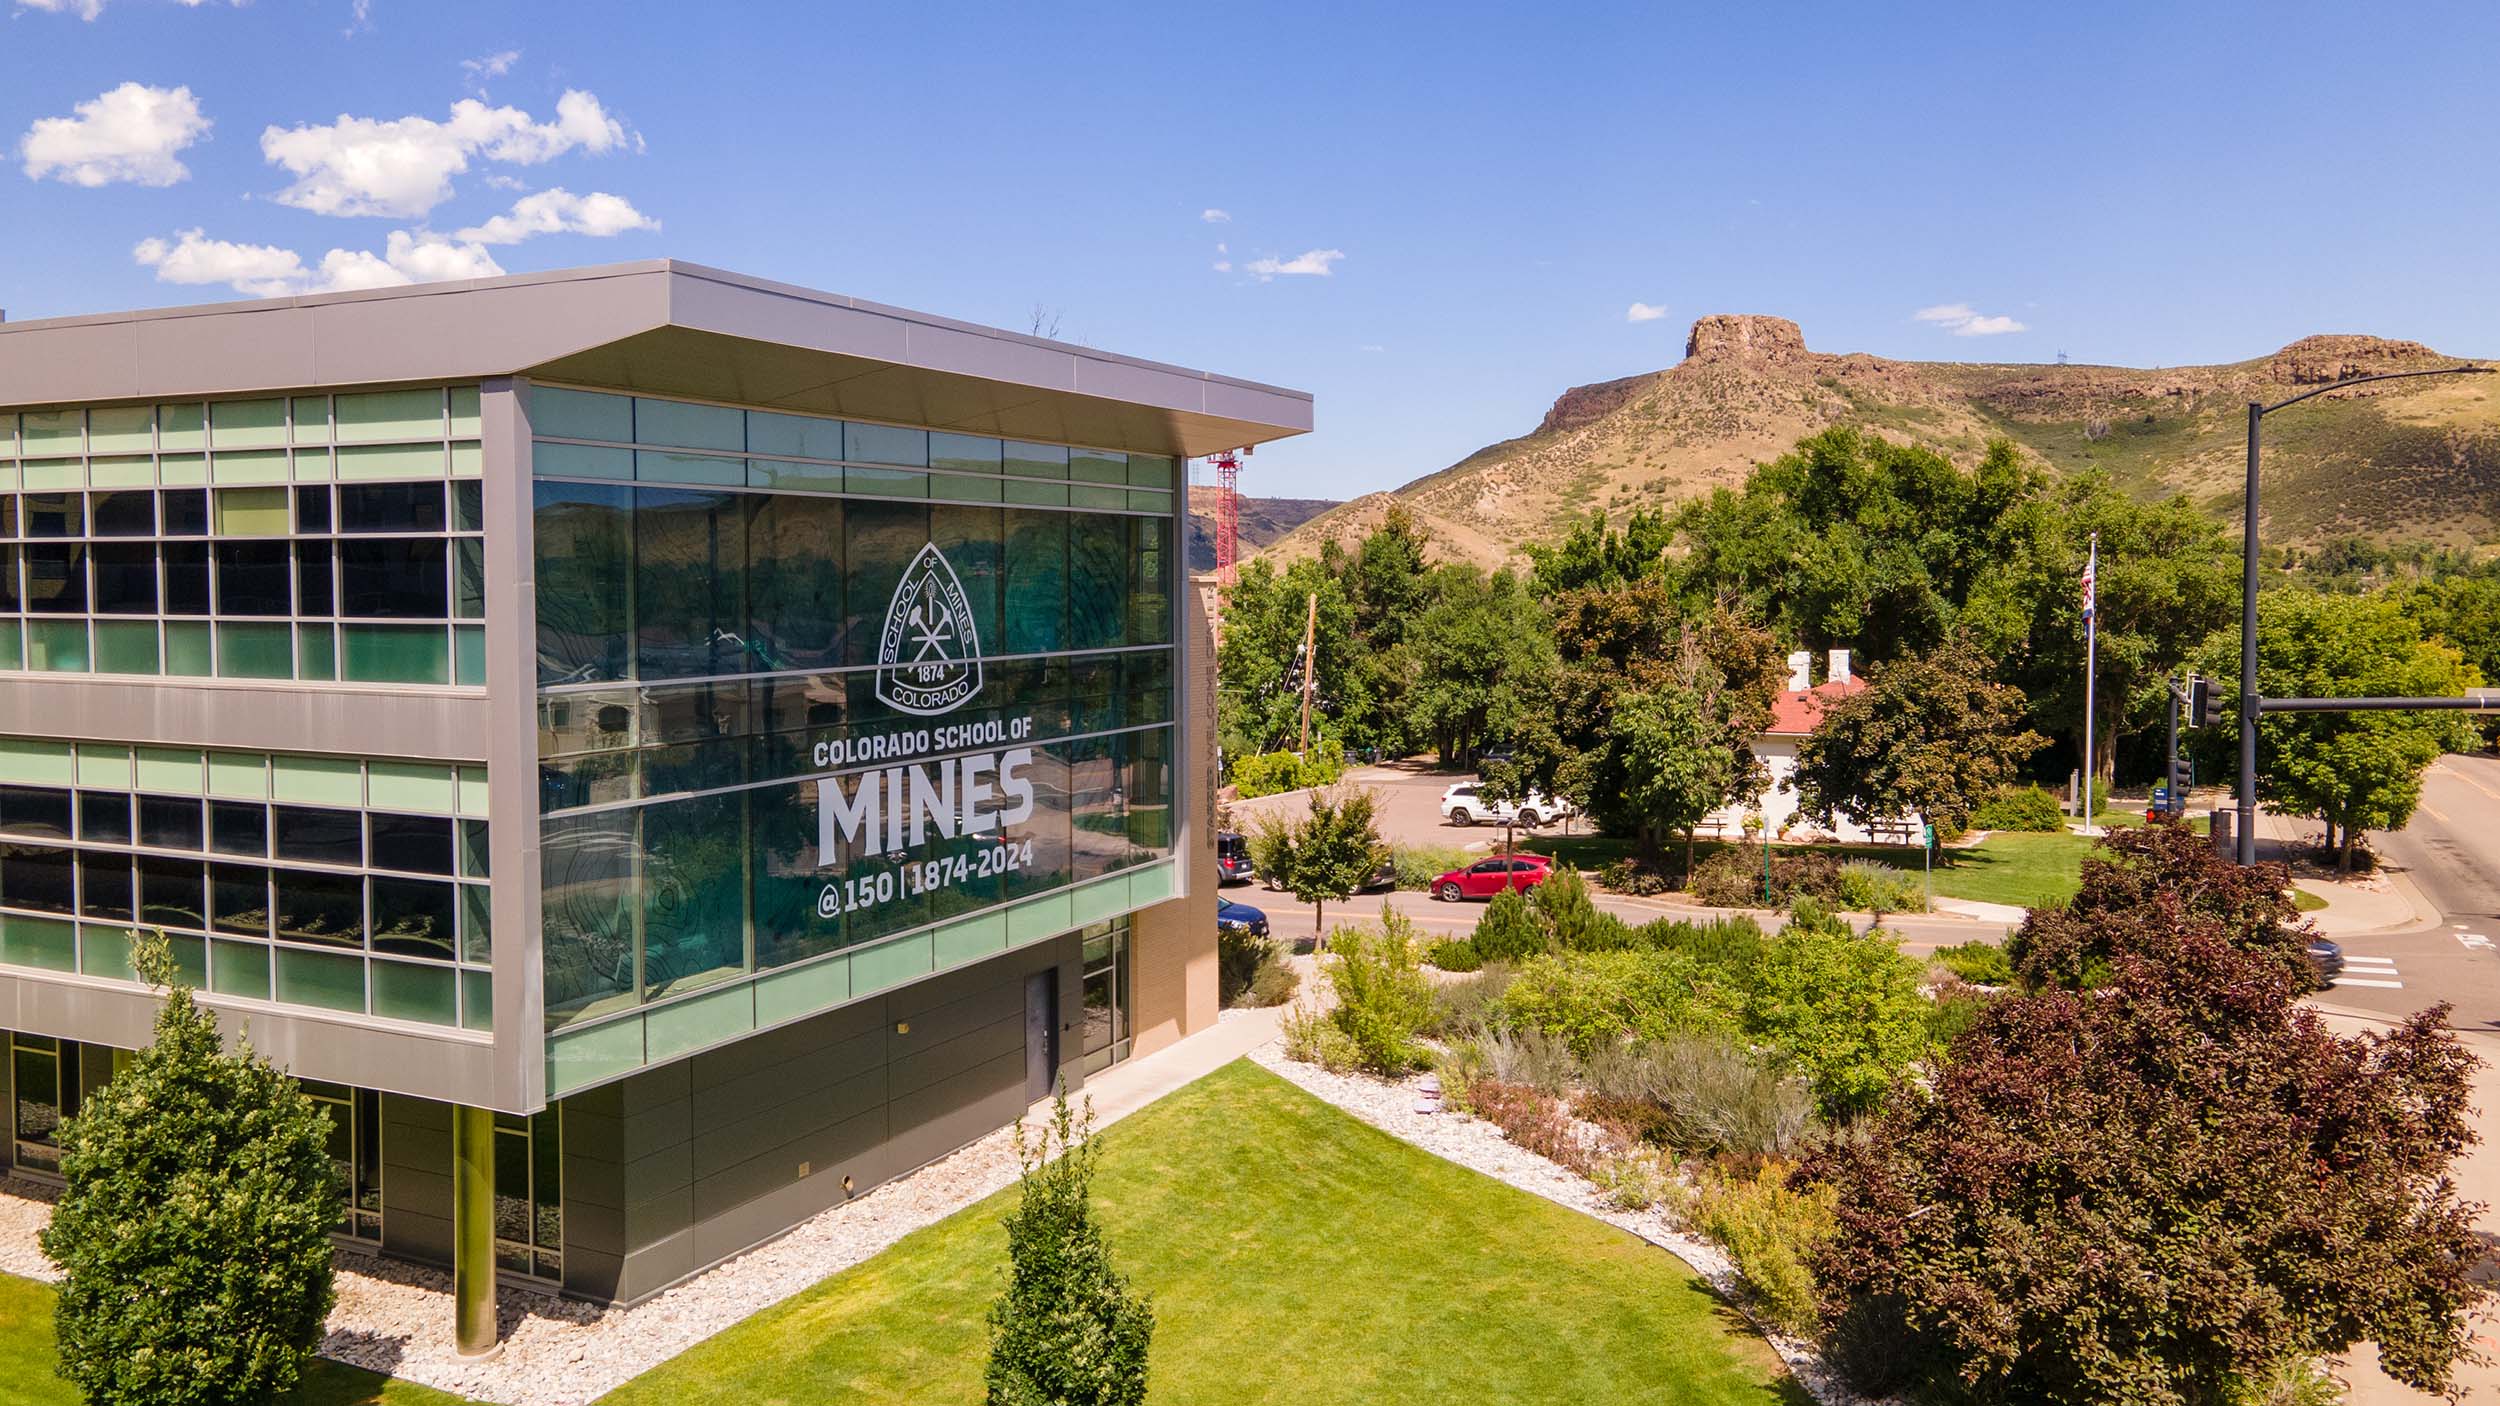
x=1293, y=1255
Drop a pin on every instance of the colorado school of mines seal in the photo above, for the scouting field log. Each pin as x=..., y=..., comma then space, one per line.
x=929, y=655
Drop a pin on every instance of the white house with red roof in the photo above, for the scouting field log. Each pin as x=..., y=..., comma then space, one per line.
x=1794, y=714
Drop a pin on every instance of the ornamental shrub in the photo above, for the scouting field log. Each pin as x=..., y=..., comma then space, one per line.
x=1633, y=877
x=1563, y=901
x=1733, y=877
x=1416, y=866
x=1383, y=999
x=1704, y=1094
x=1728, y=947
x=1979, y=963
x=1773, y=1225
x=1870, y=887
x=2028, y=809
x=1454, y=954
x=1589, y=1000
x=1068, y=1331
x=193, y=1230
x=1510, y=931
x=1846, y=1009
x=1270, y=773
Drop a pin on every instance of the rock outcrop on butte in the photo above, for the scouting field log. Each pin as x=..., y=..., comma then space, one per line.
x=2414, y=458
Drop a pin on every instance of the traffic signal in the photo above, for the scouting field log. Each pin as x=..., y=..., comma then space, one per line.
x=2204, y=703
x=2182, y=775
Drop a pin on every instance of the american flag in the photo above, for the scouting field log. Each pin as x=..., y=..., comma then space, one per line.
x=2091, y=568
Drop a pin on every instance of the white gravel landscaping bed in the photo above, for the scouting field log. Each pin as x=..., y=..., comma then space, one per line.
x=1480, y=1146
x=396, y=1318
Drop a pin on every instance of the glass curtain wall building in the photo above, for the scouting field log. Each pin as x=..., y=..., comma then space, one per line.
x=702, y=745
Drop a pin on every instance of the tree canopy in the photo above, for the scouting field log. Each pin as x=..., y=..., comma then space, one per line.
x=1929, y=735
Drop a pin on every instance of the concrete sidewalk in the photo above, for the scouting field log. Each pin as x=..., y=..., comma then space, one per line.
x=1124, y=1088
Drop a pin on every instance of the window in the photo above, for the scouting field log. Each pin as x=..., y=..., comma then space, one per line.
x=355, y=1156
x=1106, y=984
x=529, y=1194
x=44, y=1075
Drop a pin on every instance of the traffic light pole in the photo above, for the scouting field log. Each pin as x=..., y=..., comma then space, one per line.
x=2250, y=704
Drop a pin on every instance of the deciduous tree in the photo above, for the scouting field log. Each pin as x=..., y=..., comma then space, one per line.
x=2162, y=1189
x=1068, y=1331
x=1929, y=735
x=2354, y=771
x=1335, y=849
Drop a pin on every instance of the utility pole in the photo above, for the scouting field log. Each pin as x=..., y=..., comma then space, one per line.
x=2250, y=704
x=1310, y=670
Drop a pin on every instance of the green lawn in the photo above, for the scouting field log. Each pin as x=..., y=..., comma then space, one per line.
x=2022, y=869
x=26, y=1363
x=1294, y=1255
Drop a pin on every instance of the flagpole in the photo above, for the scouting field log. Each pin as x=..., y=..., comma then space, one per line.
x=2091, y=661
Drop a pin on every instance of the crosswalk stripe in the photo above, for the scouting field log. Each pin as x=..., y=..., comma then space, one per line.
x=2365, y=981
x=2352, y=961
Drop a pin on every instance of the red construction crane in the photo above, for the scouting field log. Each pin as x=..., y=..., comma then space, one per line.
x=1227, y=514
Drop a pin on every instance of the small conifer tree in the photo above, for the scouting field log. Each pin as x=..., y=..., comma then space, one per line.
x=1068, y=1331
x=194, y=1231
x=1511, y=931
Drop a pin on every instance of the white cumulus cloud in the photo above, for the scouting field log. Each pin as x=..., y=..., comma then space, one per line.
x=490, y=66
x=403, y=166
x=1645, y=312
x=267, y=271
x=1962, y=321
x=128, y=134
x=560, y=211
x=1214, y=216
x=1310, y=263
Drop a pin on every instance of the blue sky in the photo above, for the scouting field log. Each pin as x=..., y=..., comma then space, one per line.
x=1488, y=189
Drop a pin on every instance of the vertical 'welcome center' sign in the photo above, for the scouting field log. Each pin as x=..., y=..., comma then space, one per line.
x=928, y=664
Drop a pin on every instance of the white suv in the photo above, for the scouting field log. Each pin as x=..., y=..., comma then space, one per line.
x=1465, y=804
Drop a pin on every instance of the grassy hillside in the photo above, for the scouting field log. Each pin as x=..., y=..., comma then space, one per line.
x=2415, y=460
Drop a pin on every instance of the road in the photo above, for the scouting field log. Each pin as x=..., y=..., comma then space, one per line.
x=1292, y=919
x=2450, y=853
x=1409, y=813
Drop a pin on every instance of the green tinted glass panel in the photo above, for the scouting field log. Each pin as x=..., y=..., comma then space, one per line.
x=569, y=414
x=370, y=415
x=1097, y=582
x=253, y=512
x=238, y=969
x=1037, y=460
x=54, y=432
x=248, y=466
x=182, y=427
x=38, y=942
x=12, y=645
x=580, y=461
x=372, y=461
x=258, y=651
x=799, y=436
x=815, y=478
x=186, y=647
x=964, y=489
x=656, y=466
x=239, y=423
x=477, y=1000
x=1149, y=471
x=1097, y=466
x=464, y=411
x=686, y=426
x=584, y=541
x=407, y=991
x=477, y=923
x=971, y=453
x=312, y=419
x=885, y=444
x=316, y=652
x=125, y=646
x=469, y=654
x=121, y=429
x=57, y=646
x=396, y=654
x=321, y=979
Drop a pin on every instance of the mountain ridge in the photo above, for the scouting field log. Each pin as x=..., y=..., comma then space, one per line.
x=2416, y=458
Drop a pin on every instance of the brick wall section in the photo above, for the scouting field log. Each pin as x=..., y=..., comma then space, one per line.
x=1172, y=945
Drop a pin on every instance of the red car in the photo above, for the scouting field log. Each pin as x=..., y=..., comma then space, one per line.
x=1487, y=877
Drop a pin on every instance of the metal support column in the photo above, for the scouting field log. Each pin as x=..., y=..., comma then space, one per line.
x=2248, y=648
x=473, y=1230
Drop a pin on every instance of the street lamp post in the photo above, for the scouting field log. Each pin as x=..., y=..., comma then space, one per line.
x=2250, y=703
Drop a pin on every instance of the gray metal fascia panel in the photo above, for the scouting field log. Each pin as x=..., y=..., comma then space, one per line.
x=712, y=304
x=344, y=1049
x=340, y=719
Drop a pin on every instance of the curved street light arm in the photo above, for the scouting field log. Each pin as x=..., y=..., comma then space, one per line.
x=2382, y=376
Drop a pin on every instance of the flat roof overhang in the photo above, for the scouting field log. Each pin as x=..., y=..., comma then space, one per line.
x=659, y=327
